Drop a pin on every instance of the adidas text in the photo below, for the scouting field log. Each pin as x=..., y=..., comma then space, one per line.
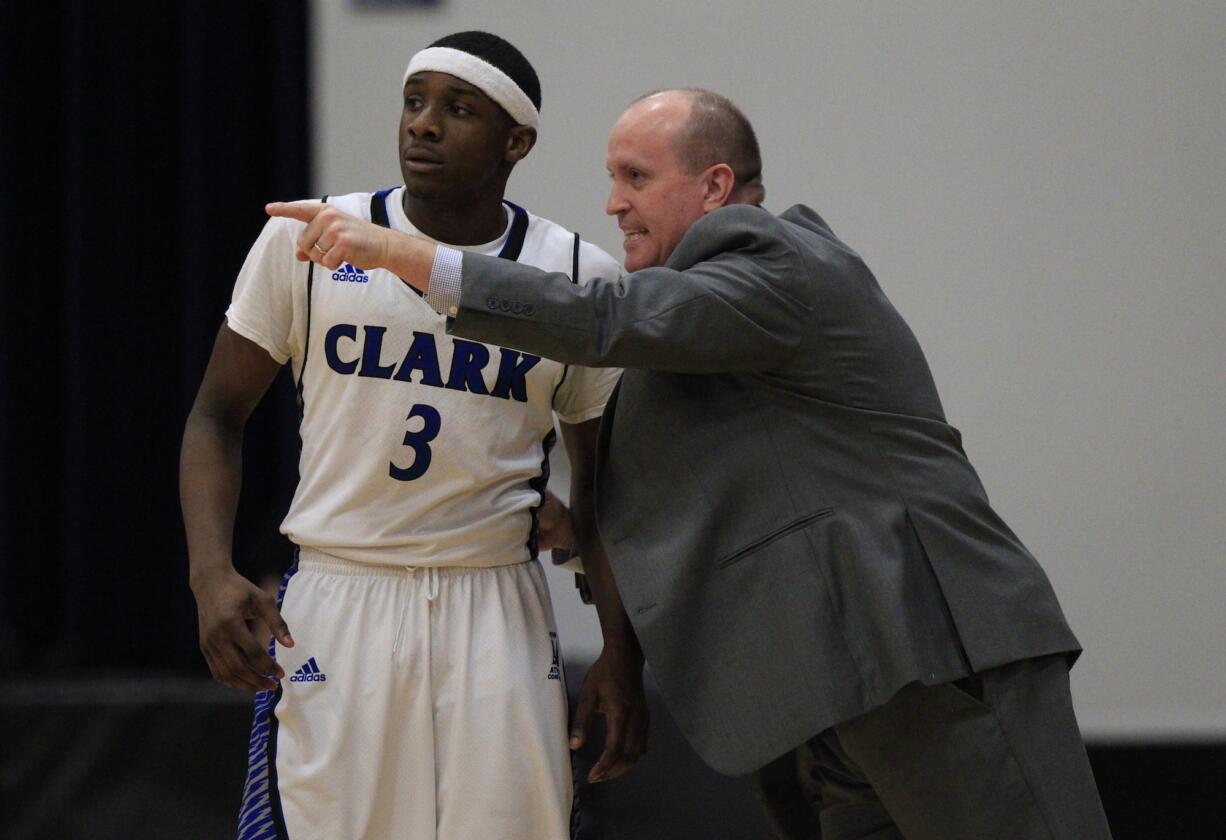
x=348, y=274
x=309, y=672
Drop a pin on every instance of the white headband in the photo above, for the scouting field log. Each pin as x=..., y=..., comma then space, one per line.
x=494, y=83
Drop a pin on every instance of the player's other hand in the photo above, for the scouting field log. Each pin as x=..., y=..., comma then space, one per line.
x=554, y=528
x=225, y=602
x=332, y=237
x=613, y=688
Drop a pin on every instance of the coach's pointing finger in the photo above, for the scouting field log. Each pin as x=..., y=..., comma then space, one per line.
x=332, y=237
x=303, y=211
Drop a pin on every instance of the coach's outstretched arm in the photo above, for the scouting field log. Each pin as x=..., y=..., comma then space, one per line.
x=210, y=475
x=701, y=319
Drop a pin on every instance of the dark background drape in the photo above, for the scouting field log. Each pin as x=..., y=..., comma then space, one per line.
x=136, y=154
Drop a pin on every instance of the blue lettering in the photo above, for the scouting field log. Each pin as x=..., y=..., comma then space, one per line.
x=468, y=359
x=513, y=375
x=335, y=334
x=371, y=349
x=423, y=356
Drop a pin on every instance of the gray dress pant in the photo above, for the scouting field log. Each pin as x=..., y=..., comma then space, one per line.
x=996, y=756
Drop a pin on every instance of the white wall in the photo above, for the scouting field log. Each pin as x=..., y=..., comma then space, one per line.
x=1039, y=187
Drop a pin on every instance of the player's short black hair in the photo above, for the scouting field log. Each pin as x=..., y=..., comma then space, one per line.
x=502, y=54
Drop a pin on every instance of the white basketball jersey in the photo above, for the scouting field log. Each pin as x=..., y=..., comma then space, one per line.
x=417, y=449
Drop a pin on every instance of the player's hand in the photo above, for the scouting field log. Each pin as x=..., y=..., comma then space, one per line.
x=554, y=528
x=333, y=237
x=224, y=603
x=613, y=688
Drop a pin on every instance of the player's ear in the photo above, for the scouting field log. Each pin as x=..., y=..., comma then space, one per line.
x=520, y=141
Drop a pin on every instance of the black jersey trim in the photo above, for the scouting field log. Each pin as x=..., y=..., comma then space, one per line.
x=539, y=484
x=515, y=237
x=306, y=347
x=581, y=584
x=574, y=278
x=574, y=262
x=519, y=230
x=378, y=208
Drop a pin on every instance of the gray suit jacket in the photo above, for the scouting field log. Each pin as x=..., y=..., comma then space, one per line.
x=794, y=528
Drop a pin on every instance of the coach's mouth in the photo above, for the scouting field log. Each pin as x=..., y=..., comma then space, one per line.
x=634, y=235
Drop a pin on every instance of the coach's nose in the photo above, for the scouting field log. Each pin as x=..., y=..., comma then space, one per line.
x=616, y=204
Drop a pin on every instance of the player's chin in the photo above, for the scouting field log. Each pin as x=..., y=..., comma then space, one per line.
x=424, y=187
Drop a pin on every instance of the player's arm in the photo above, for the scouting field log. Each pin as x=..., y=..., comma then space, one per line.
x=210, y=475
x=554, y=529
x=613, y=686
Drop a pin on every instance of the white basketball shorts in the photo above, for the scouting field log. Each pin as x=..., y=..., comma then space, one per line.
x=417, y=704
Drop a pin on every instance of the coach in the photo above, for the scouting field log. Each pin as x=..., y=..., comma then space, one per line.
x=810, y=562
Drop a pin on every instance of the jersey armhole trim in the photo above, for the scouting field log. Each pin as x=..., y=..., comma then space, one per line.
x=574, y=278
x=519, y=230
x=378, y=208
x=306, y=344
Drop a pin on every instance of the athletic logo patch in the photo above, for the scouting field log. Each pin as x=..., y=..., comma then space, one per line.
x=555, y=672
x=309, y=672
x=348, y=274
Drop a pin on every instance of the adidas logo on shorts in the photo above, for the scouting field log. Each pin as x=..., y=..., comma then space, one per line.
x=309, y=672
x=555, y=672
x=347, y=273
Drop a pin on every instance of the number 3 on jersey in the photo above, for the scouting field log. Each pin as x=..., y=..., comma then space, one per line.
x=419, y=442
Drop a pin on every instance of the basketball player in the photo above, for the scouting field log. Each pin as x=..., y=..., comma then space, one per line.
x=421, y=693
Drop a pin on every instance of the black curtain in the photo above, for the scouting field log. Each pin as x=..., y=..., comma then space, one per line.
x=136, y=154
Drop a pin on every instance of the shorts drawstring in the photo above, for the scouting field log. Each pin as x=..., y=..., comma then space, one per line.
x=431, y=575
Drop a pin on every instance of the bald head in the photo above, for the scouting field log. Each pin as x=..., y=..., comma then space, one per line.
x=674, y=157
x=705, y=129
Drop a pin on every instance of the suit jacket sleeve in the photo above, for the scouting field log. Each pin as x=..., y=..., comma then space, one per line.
x=734, y=296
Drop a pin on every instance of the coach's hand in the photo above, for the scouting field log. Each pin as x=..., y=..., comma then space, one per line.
x=613, y=688
x=225, y=601
x=333, y=237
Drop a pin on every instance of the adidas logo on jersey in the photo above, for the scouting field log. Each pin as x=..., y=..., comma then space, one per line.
x=309, y=672
x=348, y=274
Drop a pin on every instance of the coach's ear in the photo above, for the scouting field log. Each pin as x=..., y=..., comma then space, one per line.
x=520, y=141
x=718, y=184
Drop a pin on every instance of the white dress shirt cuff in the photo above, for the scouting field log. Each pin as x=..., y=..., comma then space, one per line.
x=443, y=293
